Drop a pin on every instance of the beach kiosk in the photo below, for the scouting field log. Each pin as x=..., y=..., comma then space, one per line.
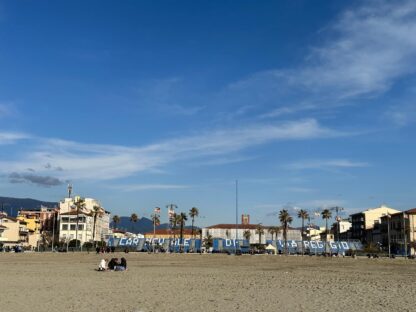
x=271, y=249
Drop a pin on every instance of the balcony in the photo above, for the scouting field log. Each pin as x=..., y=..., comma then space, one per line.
x=23, y=231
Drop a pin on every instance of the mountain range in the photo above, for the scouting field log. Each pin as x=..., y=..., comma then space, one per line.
x=12, y=205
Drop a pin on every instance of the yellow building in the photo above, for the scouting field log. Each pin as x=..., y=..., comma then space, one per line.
x=166, y=233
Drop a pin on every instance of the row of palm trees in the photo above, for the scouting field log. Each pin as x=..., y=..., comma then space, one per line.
x=177, y=219
x=285, y=220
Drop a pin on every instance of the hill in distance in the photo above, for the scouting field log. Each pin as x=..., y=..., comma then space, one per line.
x=12, y=205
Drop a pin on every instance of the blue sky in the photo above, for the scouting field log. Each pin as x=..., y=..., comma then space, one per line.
x=309, y=104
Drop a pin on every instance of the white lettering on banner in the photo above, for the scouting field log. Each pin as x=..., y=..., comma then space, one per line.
x=306, y=244
x=122, y=241
x=128, y=242
x=333, y=245
x=228, y=242
x=320, y=245
x=135, y=241
x=294, y=244
x=345, y=245
x=313, y=244
x=186, y=242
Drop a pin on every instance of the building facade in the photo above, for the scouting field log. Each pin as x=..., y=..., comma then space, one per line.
x=362, y=223
x=13, y=231
x=251, y=231
x=88, y=223
x=400, y=229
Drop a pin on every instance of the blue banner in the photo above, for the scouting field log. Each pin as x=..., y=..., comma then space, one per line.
x=220, y=244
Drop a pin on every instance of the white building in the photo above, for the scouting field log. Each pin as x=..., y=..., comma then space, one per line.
x=90, y=212
x=228, y=231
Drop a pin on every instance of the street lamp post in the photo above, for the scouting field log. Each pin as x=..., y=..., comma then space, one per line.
x=404, y=235
x=388, y=233
x=171, y=215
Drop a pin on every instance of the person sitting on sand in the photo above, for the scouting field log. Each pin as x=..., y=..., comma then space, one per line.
x=103, y=265
x=122, y=266
x=112, y=264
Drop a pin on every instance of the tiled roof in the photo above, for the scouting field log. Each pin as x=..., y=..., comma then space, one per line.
x=232, y=226
x=411, y=211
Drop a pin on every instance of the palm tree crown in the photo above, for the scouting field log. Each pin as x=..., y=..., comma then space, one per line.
x=116, y=219
x=326, y=214
x=247, y=234
x=182, y=218
x=285, y=220
x=194, y=212
x=259, y=231
x=95, y=212
x=133, y=218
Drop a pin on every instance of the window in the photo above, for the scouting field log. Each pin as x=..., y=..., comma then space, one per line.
x=64, y=227
x=64, y=219
x=73, y=227
x=80, y=227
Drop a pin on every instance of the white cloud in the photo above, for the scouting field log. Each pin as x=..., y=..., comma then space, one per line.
x=11, y=137
x=401, y=115
x=7, y=109
x=325, y=164
x=101, y=162
x=364, y=52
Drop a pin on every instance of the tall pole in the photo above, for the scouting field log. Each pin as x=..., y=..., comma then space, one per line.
x=404, y=235
x=236, y=214
x=154, y=232
x=53, y=229
x=388, y=233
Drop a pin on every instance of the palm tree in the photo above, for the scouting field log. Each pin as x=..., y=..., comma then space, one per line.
x=303, y=214
x=247, y=235
x=326, y=214
x=116, y=219
x=96, y=211
x=79, y=206
x=182, y=218
x=194, y=212
x=133, y=219
x=175, y=221
x=272, y=231
x=200, y=239
x=259, y=231
x=208, y=241
x=285, y=220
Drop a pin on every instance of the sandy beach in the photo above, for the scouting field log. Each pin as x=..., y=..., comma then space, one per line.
x=167, y=282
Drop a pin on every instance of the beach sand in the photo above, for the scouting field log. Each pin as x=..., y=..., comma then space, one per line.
x=190, y=282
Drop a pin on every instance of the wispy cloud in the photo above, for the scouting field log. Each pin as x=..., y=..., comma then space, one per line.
x=12, y=137
x=363, y=53
x=100, y=162
x=170, y=96
x=7, y=109
x=325, y=164
x=401, y=115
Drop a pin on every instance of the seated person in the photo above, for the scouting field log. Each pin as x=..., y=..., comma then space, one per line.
x=122, y=266
x=112, y=264
x=103, y=265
